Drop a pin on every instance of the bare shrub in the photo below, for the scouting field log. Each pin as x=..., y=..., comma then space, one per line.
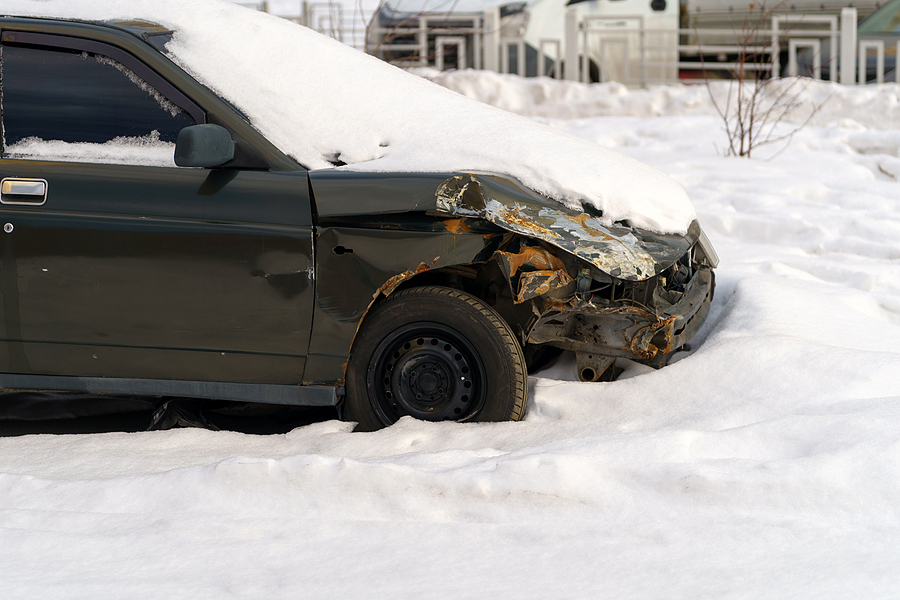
x=759, y=106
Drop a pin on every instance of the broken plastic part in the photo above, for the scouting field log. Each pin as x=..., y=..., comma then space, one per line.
x=706, y=246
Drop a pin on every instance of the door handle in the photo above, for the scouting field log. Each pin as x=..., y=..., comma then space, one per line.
x=15, y=190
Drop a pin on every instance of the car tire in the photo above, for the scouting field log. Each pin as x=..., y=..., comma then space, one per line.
x=436, y=354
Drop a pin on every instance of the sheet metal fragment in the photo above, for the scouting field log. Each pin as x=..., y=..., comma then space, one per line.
x=538, y=283
x=532, y=271
x=615, y=250
x=391, y=284
x=533, y=258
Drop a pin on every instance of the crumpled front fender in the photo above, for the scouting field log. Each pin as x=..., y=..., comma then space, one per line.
x=620, y=251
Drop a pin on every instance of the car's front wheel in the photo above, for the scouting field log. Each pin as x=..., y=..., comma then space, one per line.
x=436, y=354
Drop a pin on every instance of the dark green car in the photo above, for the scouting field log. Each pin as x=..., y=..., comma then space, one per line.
x=234, y=273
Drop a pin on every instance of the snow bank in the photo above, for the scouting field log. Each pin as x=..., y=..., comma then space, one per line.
x=322, y=102
x=871, y=105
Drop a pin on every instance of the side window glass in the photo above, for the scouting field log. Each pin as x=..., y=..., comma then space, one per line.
x=81, y=107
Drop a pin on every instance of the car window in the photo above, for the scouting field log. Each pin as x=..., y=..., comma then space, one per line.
x=83, y=107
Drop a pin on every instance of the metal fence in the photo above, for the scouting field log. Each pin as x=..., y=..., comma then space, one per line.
x=620, y=48
x=328, y=18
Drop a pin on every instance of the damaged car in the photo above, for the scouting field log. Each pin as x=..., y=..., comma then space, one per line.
x=179, y=227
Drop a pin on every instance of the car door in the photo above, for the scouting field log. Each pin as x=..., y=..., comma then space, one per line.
x=115, y=262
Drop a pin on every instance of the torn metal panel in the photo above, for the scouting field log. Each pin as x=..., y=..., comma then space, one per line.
x=532, y=271
x=621, y=256
x=532, y=258
x=482, y=219
x=460, y=195
x=391, y=284
x=538, y=283
x=619, y=250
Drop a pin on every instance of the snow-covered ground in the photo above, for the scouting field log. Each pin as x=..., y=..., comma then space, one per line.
x=764, y=463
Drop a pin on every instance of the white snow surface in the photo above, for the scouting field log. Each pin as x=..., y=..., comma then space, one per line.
x=764, y=463
x=146, y=150
x=873, y=106
x=321, y=101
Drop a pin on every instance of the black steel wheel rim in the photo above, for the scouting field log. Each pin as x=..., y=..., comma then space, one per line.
x=426, y=370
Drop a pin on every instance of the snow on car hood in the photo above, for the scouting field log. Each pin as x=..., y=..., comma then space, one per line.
x=322, y=102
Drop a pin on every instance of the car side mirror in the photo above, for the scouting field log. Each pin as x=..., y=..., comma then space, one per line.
x=203, y=146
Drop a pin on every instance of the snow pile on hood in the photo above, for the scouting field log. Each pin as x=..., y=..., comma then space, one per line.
x=321, y=102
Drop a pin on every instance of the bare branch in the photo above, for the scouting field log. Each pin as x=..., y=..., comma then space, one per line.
x=763, y=103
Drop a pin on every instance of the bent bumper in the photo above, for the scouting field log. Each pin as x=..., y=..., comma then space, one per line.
x=627, y=331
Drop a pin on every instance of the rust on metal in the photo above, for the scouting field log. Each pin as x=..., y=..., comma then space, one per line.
x=642, y=343
x=537, y=283
x=532, y=271
x=391, y=284
x=537, y=258
x=620, y=330
x=456, y=225
x=582, y=220
x=514, y=217
x=557, y=305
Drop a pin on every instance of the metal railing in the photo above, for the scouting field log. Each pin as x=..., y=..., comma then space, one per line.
x=328, y=18
x=620, y=48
